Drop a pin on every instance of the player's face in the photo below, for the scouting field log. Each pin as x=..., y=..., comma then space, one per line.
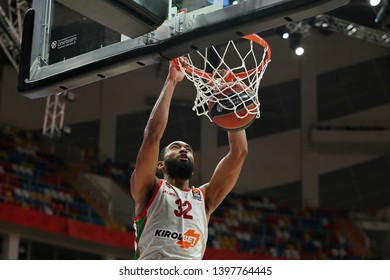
x=179, y=160
x=179, y=150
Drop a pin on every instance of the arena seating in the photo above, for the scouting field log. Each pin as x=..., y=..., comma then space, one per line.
x=261, y=226
x=31, y=178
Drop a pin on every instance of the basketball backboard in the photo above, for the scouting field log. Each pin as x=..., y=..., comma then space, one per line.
x=70, y=43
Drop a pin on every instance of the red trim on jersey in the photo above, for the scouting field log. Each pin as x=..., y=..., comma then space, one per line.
x=150, y=201
x=204, y=196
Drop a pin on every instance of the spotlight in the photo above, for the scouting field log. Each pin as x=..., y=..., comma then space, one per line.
x=323, y=22
x=383, y=15
x=283, y=32
x=374, y=2
x=351, y=29
x=295, y=43
x=385, y=38
x=299, y=51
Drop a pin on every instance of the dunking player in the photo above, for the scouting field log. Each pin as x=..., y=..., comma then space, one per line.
x=171, y=218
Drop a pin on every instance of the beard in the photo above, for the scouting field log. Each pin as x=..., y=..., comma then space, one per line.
x=179, y=169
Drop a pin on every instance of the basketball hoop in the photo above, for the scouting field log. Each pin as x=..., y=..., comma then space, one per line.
x=239, y=66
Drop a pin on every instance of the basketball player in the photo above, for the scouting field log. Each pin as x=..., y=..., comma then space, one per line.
x=171, y=217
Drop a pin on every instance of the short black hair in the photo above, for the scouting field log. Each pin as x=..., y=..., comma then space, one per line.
x=162, y=154
x=164, y=150
x=159, y=173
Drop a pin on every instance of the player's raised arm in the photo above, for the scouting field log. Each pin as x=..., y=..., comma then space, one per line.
x=143, y=179
x=227, y=171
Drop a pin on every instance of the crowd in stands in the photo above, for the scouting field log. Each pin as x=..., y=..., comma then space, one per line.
x=29, y=178
x=119, y=171
x=261, y=226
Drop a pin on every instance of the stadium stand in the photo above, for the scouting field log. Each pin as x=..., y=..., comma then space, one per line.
x=40, y=190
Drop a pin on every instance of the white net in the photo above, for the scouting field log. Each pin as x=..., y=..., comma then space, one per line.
x=228, y=75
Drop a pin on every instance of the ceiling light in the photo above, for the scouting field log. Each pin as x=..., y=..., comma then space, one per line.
x=383, y=15
x=295, y=43
x=374, y=2
x=299, y=51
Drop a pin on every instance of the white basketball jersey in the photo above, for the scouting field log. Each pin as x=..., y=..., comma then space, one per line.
x=173, y=225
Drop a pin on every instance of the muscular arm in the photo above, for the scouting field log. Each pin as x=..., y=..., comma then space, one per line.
x=143, y=179
x=227, y=171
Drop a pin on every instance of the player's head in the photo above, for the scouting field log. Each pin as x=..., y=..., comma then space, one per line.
x=177, y=160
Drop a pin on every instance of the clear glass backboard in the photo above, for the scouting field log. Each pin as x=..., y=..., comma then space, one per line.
x=70, y=43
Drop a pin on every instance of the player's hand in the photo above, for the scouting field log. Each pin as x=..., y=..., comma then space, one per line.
x=176, y=74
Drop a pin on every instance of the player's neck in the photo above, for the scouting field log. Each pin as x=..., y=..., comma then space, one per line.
x=182, y=184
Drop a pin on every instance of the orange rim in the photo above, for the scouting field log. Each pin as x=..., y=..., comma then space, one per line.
x=205, y=75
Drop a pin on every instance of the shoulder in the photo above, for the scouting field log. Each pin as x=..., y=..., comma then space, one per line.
x=203, y=188
x=144, y=201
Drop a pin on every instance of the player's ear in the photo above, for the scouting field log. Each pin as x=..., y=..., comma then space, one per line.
x=159, y=170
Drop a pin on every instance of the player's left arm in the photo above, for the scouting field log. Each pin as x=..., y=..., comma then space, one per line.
x=226, y=173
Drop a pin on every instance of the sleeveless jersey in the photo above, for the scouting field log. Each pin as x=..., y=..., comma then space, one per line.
x=173, y=225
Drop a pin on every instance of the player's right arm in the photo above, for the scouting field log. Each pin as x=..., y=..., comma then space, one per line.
x=143, y=179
